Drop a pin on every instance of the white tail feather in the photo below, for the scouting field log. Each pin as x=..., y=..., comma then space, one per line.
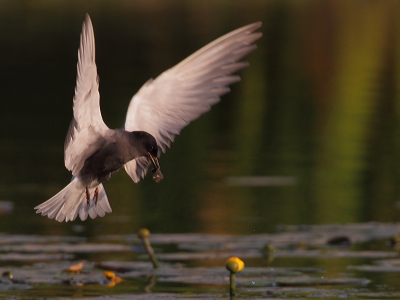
x=71, y=201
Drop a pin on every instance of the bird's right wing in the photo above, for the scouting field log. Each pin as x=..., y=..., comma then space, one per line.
x=164, y=106
x=87, y=125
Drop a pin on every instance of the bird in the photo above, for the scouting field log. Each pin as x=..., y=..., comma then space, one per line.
x=158, y=112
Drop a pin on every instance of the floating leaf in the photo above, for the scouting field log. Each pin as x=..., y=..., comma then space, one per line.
x=339, y=241
x=124, y=266
x=65, y=248
x=34, y=257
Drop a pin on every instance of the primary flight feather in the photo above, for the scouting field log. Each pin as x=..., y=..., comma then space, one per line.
x=158, y=112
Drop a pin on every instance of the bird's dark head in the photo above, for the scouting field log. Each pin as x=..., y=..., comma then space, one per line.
x=147, y=146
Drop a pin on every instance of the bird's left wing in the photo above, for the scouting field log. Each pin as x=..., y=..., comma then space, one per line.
x=87, y=126
x=164, y=106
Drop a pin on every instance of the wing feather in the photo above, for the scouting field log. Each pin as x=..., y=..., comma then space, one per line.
x=164, y=106
x=87, y=126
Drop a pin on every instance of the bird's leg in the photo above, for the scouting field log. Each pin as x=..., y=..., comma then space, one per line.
x=87, y=196
x=96, y=194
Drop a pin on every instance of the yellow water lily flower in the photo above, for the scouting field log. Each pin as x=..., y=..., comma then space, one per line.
x=114, y=279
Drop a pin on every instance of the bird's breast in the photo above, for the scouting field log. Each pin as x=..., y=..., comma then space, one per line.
x=99, y=166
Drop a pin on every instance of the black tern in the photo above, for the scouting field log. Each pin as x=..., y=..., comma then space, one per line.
x=159, y=111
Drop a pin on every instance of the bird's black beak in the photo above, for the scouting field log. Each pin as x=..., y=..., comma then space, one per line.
x=157, y=175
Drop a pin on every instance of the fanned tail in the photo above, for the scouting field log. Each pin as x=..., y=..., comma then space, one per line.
x=72, y=201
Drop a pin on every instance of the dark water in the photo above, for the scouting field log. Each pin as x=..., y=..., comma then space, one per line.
x=309, y=136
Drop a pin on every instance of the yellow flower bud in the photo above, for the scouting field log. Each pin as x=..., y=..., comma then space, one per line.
x=234, y=264
x=143, y=233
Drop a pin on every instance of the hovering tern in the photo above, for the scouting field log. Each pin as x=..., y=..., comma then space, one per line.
x=159, y=111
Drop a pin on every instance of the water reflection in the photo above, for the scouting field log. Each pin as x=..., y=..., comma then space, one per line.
x=319, y=104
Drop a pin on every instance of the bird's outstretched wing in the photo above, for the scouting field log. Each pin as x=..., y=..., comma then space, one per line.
x=87, y=126
x=164, y=106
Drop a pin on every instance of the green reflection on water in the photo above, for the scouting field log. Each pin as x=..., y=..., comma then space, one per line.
x=319, y=103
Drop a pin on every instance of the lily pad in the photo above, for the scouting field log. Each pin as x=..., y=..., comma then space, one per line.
x=33, y=257
x=65, y=248
x=179, y=256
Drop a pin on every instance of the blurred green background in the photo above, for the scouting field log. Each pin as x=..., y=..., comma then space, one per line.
x=316, y=114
